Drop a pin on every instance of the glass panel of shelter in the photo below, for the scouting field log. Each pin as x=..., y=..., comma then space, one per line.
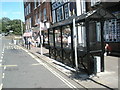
x=57, y=37
x=95, y=35
x=66, y=37
x=81, y=36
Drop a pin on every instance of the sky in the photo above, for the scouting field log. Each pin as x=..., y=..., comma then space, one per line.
x=12, y=10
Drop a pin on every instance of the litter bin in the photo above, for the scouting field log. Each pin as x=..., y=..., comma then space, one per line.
x=97, y=64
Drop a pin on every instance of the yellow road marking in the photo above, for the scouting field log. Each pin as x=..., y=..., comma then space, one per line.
x=36, y=64
x=8, y=65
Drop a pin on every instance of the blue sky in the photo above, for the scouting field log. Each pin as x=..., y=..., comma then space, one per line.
x=12, y=10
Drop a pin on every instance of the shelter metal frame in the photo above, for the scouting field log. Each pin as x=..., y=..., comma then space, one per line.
x=85, y=57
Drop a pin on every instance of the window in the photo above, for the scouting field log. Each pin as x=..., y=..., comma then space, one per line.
x=112, y=30
x=35, y=3
x=40, y=16
x=43, y=1
x=53, y=16
x=83, y=6
x=36, y=18
x=45, y=14
x=72, y=6
x=38, y=2
x=52, y=1
x=25, y=11
x=26, y=24
x=30, y=22
x=60, y=15
x=29, y=8
x=66, y=10
x=53, y=6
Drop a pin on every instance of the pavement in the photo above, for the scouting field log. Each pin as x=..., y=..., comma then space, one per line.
x=107, y=80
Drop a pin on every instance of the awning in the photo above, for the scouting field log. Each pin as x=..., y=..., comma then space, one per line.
x=27, y=34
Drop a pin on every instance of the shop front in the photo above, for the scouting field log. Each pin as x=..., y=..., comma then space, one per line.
x=80, y=44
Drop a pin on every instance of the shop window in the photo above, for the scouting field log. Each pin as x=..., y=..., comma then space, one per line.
x=51, y=39
x=66, y=37
x=57, y=37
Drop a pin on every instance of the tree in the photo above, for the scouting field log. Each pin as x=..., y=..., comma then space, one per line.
x=14, y=25
x=5, y=24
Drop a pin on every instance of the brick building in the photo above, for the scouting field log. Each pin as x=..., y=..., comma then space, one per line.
x=36, y=12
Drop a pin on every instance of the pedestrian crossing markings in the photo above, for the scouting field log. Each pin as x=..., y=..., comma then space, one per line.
x=12, y=47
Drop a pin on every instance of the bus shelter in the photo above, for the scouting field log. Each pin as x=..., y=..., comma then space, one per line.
x=90, y=40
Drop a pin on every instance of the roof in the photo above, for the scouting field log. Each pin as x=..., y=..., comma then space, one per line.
x=95, y=15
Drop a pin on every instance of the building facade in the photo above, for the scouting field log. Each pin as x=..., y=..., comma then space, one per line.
x=35, y=13
x=68, y=39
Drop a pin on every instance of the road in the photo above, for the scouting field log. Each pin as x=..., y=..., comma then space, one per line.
x=20, y=69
